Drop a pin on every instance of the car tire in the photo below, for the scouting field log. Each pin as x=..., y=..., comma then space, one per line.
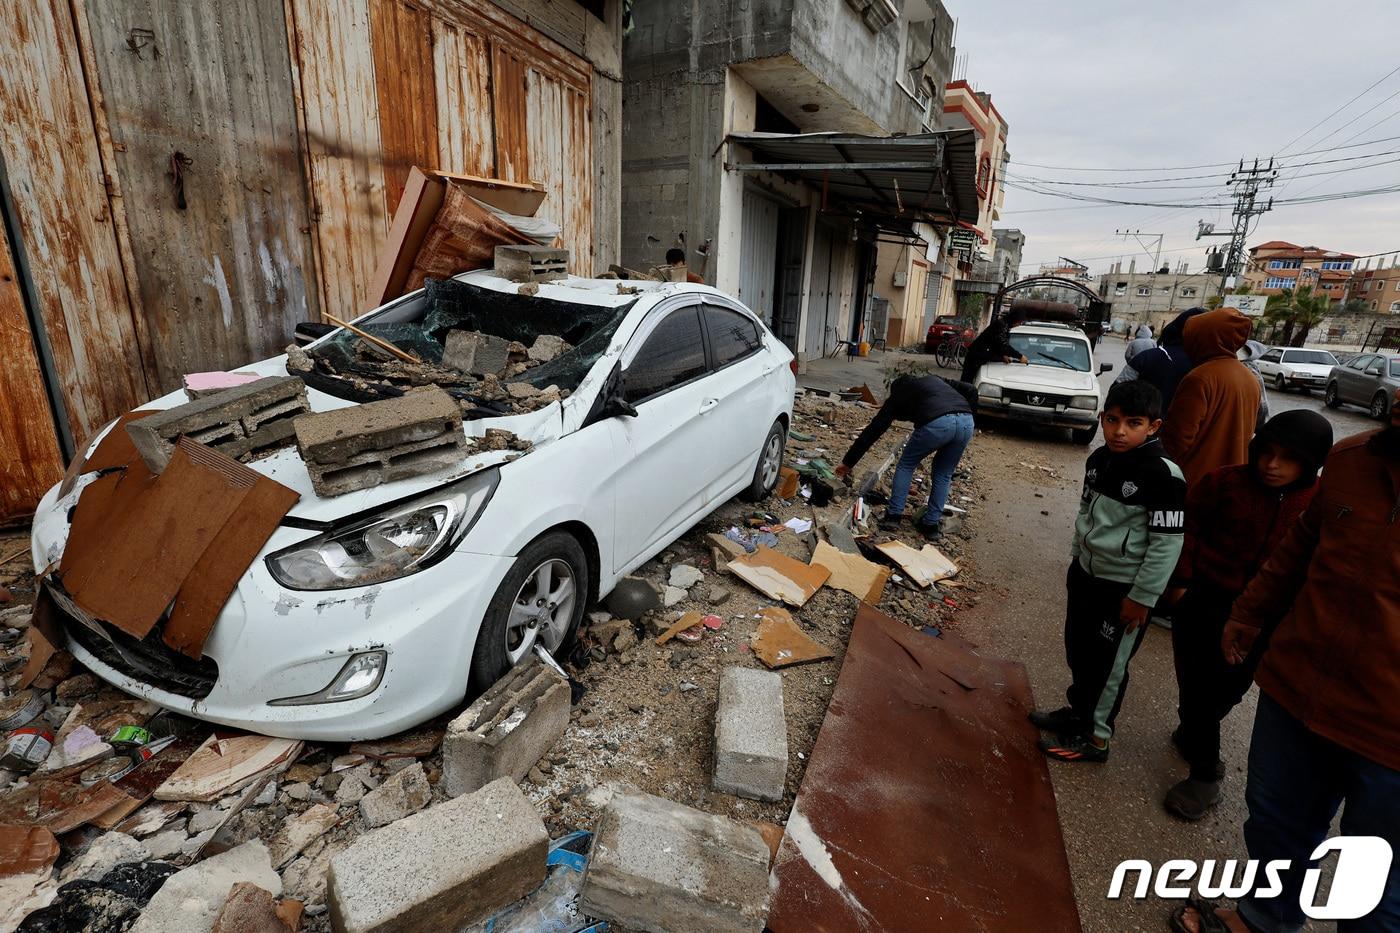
x=1330, y=396
x=770, y=461
x=1380, y=406
x=497, y=640
x=1279, y=382
x=1083, y=436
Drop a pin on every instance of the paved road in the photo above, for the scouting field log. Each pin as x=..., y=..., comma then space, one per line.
x=1110, y=812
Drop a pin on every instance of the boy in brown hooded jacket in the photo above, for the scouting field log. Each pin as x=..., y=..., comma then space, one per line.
x=1215, y=409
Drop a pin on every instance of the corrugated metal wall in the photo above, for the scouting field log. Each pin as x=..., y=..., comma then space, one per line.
x=759, y=235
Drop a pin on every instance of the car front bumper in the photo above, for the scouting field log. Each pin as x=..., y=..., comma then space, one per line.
x=1059, y=417
x=273, y=643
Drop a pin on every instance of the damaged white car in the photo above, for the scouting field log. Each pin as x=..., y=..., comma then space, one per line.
x=373, y=610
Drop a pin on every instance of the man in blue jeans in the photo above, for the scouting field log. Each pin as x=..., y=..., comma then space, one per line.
x=941, y=412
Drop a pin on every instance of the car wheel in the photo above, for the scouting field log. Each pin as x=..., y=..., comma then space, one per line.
x=1330, y=396
x=1084, y=436
x=770, y=461
x=1380, y=406
x=540, y=601
x=1279, y=382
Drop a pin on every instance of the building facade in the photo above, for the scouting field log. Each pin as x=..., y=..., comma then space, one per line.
x=1153, y=298
x=1278, y=265
x=973, y=243
x=1379, y=288
x=184, y=186
x=701, y=76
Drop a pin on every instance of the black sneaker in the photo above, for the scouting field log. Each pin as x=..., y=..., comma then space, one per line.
x=1191, y=800
x=1062, y=720
x=891, y=522
x=1074, y=748
x=931, y=532
x=1181, y=750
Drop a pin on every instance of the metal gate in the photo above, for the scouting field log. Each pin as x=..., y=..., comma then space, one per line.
x=759, y=242
x=824, y=292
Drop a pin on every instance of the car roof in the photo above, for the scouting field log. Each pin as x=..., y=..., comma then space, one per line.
x=1049, y=330
x=578, y=290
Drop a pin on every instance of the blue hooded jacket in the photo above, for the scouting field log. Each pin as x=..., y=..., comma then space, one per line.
x=1167, y=364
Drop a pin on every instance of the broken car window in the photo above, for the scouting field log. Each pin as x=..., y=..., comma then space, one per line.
x=673, y=353
x=732, y=335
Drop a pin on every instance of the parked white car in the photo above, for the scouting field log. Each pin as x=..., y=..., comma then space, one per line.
x=1296, y=368
x=1058, y=386
x=369, y=612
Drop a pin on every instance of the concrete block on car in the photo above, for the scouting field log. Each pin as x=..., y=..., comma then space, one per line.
x=236, y=422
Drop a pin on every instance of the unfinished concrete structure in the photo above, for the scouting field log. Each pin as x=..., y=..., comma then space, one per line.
x=791, y=249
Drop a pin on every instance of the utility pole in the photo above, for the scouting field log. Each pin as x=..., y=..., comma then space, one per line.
x=1245, y=184
x=1156, y=263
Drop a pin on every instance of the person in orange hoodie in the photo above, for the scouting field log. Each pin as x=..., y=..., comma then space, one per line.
x=1215, y=409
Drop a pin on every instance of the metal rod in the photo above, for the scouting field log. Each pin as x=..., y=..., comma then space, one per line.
x=381, y=344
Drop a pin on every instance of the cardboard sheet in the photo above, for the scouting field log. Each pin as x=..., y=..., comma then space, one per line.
x=25, y=849
x=779, y=642
x=778, y=576
x=226, y=763
x=925, y=566
x=861, y=578
x=142, y=543
x=925, y=804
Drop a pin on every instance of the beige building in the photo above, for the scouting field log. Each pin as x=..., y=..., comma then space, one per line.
x=1379, y=287
x=1278, y=264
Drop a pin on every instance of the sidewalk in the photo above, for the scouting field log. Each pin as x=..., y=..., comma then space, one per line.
x=842, y=372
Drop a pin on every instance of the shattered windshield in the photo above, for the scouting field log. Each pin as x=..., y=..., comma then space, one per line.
x=498, y=353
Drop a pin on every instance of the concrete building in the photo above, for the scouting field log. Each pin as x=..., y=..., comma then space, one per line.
x=1379, y=288
x=1006, y=264
x=964, y=107
x=1153, y=298
x=717, y=99
x=1278, y=264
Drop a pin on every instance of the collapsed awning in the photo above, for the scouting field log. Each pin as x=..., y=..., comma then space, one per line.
x=929, y=177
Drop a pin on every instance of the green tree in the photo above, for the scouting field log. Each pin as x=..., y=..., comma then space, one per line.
x=1298, y=311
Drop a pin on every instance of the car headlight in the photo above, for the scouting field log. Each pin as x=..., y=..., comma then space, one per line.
x=1087, y=402
x=388, y=543
x=987, y=390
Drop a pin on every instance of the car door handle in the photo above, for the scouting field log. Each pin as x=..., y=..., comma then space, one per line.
x=708, y=404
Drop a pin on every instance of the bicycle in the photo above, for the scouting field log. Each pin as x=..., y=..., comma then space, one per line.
x=952, y=351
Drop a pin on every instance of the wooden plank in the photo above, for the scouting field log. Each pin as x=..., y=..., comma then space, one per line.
x=341, y=120
x=221, y=251
x=462, y=68
x=30, y=460
x=577, y=158
x=55, y=175
x=402, y=42
x=606, y=104
x=509, y=92
x=544, y=134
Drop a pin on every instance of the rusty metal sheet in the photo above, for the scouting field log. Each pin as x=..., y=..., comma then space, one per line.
x=340, y=118
x=61, y=209
x=401, y=38
x=200, y=107
x=30, y=461
x=926, y=804
x=462, y=68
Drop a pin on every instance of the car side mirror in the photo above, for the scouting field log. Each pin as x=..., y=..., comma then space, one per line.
x=615, y=406
x=1105, y=368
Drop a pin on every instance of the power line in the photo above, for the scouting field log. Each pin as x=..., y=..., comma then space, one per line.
x=1337, y=111
x=1184, y=168
x=1149, y=184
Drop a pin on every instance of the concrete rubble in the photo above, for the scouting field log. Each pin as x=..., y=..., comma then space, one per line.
x=366, y=445
x=407, y=791
x=443, y=868
x=660, y=866
x=509, y=728
x=242, y=421
x=190, y=899
x=751, y=749
x=476, y=354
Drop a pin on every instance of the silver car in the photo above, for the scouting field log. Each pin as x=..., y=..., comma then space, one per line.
x=1368, y=380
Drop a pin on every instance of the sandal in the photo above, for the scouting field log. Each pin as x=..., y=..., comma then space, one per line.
x=1210, y=921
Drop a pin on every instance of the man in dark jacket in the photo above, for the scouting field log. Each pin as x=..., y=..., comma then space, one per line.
x=941, y=412
x=1166, y=364
x=993, y=345
x=1327, y=731
x=1235, y=517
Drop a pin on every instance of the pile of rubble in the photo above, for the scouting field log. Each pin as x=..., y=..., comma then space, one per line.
x=678, y=732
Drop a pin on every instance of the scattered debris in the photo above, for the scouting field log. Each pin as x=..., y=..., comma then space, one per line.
x=190, y=899
x=658, y=865
x=778, y=576
x=852, y=573
x=251, y=909
x=239, y=422
x=226, y=764
x=751, y=751
x=507, y=729
x=632, y=598
x=780, y=643
x=442, y=868
x=298, y=833
x=925, y=566
x=201, y=385
x=684, y=576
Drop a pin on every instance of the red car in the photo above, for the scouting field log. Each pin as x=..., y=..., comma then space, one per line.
x=937, y=333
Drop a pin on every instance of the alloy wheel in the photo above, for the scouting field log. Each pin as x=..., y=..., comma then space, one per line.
x=772, y=460
x=542, y=610
x=1378, y=406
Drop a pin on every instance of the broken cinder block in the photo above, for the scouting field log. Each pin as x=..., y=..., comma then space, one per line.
x=531, y=263
x=475, y=353
x=657, y=865
x=379, y=442
x=244, y=420
x=442, y=868
x=751, y=753
x=507, y=729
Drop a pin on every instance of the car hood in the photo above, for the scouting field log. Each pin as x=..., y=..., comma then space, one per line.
x=286, y=466
x=1038, y=378
x=1311, y=369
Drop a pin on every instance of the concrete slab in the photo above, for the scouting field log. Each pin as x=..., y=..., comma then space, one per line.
x=660, y=866
x=190, y=899
x=235, y=421
x=336, y=436
x=443, y=868
x=475, y=353
x=507, y=729
x=751, y=751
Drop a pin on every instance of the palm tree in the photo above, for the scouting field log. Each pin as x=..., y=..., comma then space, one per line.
x=1300, y=309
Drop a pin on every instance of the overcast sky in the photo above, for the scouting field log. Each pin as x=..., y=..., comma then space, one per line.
x=1102, y=84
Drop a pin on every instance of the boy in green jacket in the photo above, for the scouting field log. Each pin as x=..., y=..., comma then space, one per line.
x=1126, y=543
